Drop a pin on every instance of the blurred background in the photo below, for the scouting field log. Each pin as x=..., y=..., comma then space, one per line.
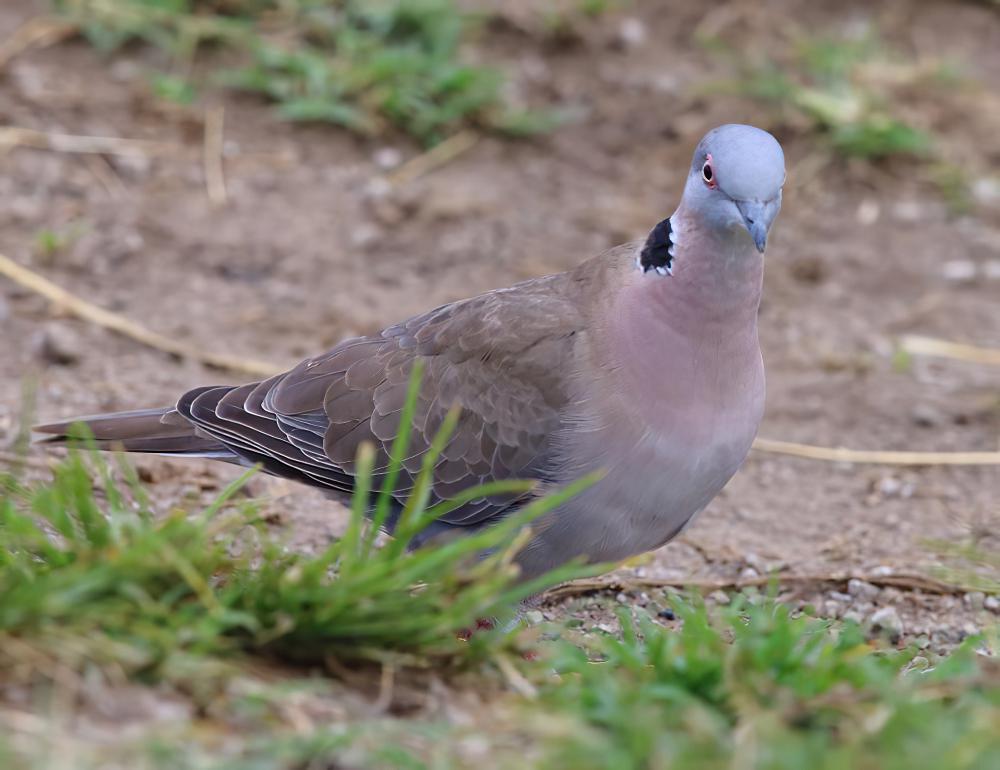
x=262, y=178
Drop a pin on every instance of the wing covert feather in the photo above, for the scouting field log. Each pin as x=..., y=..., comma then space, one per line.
x=505, y=358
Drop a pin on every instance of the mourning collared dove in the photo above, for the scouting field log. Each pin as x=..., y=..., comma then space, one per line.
x=642, y=362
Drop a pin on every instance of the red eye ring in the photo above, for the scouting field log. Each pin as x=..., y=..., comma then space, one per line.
x=708, y=173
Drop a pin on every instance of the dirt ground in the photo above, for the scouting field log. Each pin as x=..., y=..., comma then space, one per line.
x=311, y=247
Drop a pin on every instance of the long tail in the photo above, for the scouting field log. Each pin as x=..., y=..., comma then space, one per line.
x=160, y=431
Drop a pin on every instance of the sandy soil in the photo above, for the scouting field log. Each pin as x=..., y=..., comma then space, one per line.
x=311, y=248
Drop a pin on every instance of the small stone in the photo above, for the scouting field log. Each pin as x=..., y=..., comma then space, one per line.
x=888, y=620
x=387, y=158
x=839, y=596
x=621, y=598
x=534, y=617
x=889, y=486
x=749, y=573
x=853, y=616
x=632, y=33
x=666, y=614
x=868, y=212
x=986, y=190
x=959, y=270
x=719, y=597
x=364, y=235
x=925, y=416
x=58, y=344
x=992, y=603
x=908, y=211
x=975, y=600
x=861, y=589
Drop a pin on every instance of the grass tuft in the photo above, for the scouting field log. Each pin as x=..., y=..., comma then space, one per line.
x=755, y=686
x=90, y=577
x=847, y=89
x=366, y=66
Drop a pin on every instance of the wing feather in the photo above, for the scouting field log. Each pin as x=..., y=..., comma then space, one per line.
x=504, y=358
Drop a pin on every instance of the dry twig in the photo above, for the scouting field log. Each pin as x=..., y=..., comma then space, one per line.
x=215, y=176
x=126, y=327
x=434, y=158
x=15, y=136
x=928, y=346
x=874, y=456
x=39, y=32
x=906, y=582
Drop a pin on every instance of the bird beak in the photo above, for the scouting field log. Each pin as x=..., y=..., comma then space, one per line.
x=757, y=216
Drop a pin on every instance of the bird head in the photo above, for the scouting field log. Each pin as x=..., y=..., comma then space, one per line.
x=735, y=181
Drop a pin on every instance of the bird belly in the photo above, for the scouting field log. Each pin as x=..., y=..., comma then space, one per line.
x=650, y=492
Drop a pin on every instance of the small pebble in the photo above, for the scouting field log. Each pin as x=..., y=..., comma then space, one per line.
x=667, y=614
x=959, y=270
x=975, y=600
x=631, y=33
x=888, y=620
x=534, y=617
x=889, y=486
x=861, y=589
x=58, y=344
x=986, y=190
x=387, y=158
x=969, y=629
x=925, y=416
x=868, y=212
x=992, y=603
x=719, y=597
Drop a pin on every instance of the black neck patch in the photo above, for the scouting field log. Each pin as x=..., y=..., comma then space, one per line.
x=655, y=254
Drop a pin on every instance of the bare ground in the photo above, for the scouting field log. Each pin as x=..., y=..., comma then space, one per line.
x=311, y=248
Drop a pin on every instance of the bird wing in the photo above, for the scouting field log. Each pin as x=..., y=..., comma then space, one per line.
x=505, y=358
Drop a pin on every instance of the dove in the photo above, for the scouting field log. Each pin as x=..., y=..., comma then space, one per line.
x=642, y=363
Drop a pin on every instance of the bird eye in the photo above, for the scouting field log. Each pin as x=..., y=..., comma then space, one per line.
x=708, y=174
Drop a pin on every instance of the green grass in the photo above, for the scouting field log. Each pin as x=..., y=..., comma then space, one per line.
x=751, y=685
x=366, y=65
x=279, y=653
x=849, y=90
x=89, y=577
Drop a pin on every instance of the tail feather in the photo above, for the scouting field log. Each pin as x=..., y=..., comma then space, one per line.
x=159, y=431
